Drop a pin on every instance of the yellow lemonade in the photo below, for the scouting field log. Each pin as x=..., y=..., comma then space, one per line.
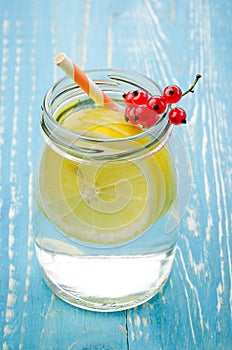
x=105, y=201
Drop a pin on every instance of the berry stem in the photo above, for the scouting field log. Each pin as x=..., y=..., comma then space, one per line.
x=169, y=107
x=198, y=76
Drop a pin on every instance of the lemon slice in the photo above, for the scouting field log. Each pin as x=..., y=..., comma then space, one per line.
x=107, y=202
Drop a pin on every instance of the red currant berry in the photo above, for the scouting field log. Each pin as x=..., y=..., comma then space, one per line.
x=146, y=116
x=172, y=94
x=128, y=97
x=138, y=97
x=130, y=114
x=177, y=116
x=141, y=115
x=152, y=120
x=157, y=104
x=136, y=114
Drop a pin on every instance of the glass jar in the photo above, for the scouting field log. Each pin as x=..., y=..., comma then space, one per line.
x=108, y=196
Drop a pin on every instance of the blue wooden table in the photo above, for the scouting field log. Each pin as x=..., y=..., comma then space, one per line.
x=169, y=41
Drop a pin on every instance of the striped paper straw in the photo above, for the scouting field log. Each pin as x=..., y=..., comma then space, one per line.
x=81, y=79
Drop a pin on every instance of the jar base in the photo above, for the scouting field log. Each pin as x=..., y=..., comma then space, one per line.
x=105, y=283
x=101, y=305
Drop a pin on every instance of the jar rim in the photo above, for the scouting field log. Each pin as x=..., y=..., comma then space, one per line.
x=55, y=132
